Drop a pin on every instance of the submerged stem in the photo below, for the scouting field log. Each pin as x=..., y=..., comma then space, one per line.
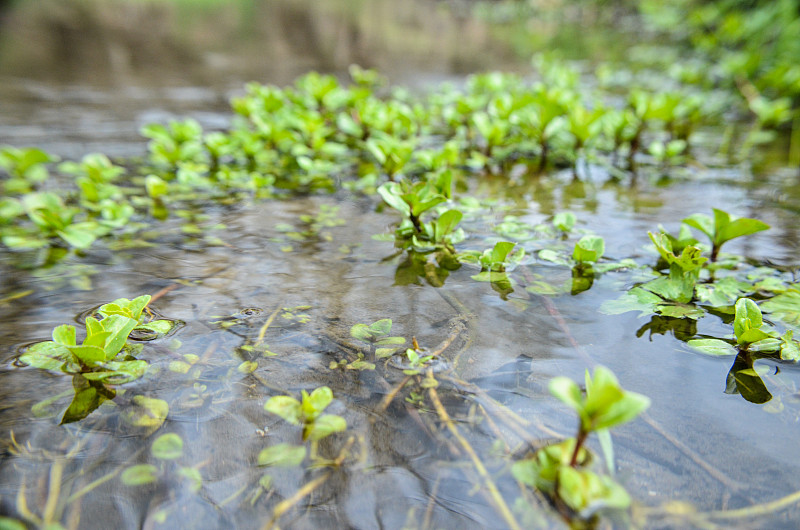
x=500, y=504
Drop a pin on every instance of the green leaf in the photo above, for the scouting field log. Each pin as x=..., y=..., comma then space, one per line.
x=146, y=412
x=193, y=476
x=88, y=355
x=500, y=251
x=286, y=407
x=785, y=306
x=447, y=222
x=324, y=426
x=64, y=335
x=740, y=227
x=567, y=391
x=78, y=236
x=85, y=401
x=388, y=341
x=589, y=249
x=140, y=475
x=391, y=193
x=381, y=327
x=361, y=332
x=282, y=455
x=607, y=404
x=46, y=356
x=315, y=403
x=120, y=328
x=748, y=317
x=703, y=223
x=680, y=311
x=713, y=347
x=637, y=299
x=168, y=446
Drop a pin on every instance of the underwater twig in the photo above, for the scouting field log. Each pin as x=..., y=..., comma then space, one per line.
x=467, y=317
x=500, y=504
x=267, y=324
x=388, y=398
x=287, y=504
x=757, y=509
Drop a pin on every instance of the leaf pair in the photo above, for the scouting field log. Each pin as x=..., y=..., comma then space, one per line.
x=605, y=403
x=308, y=413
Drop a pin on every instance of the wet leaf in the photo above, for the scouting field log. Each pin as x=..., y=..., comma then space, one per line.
x=785, y=307
x=65, y=335
x=324, y=426
x=167, y=447
x=140, y=475
x=589, y=249
x=286, y=407
x=282, y=455
x=47, y=356
x=714, y=347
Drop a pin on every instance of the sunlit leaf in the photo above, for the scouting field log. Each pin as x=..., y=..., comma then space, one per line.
x=713, y=347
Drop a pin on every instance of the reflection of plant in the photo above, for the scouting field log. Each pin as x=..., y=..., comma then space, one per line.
x=563, y=470
x=308, y=413
x=753, y=340
x=104, y=357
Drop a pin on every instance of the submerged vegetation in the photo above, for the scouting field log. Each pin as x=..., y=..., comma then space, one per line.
x=422, y=162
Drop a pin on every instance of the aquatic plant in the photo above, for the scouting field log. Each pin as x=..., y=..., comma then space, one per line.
x=307, y=412
x=563, y=470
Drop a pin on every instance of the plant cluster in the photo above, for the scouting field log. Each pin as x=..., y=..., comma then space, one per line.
x=564, y=470
x=104, y=358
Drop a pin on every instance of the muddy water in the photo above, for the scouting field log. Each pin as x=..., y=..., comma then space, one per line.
x=696, y=443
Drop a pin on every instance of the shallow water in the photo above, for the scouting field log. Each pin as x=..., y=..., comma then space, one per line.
x=696, y=443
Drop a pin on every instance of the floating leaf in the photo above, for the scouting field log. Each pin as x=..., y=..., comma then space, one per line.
x=785, y=306
x=713, y=347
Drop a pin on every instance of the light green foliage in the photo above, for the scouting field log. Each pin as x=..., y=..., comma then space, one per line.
x=308, y=413
x=377, y=334
x=723, y=227
x=604, y=404
x=26, y=167
x=752, y=335
x=588, y=249
x=563, y=470
x=103, y=358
